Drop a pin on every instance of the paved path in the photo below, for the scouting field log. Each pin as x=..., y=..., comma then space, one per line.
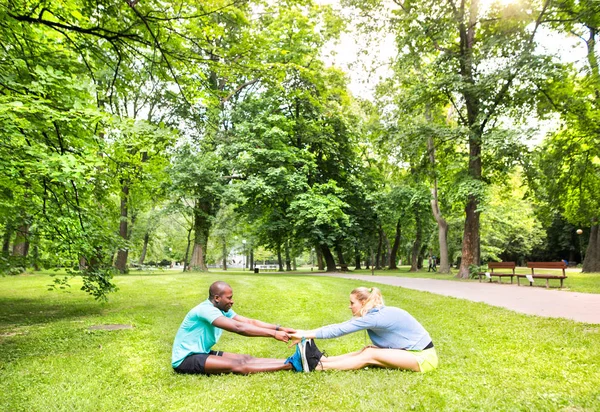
x=582, y=307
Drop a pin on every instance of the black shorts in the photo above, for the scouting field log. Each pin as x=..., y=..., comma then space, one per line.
x=195, y=362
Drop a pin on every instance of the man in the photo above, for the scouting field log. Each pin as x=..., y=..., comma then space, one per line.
x=202, y=328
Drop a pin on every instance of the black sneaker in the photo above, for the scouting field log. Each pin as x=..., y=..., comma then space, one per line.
x=313, y=355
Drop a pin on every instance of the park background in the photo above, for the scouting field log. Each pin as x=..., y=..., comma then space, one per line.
x=137, y=135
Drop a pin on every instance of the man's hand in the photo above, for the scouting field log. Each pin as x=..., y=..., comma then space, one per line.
x=287, y=330
x=282, y=336
x=295, y=338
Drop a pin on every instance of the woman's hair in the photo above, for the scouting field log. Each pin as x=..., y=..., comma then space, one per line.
x=369, y=297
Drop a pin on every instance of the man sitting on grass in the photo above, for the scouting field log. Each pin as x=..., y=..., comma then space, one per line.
x=202, y=328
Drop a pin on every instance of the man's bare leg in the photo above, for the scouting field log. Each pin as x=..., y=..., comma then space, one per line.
x=243, y=364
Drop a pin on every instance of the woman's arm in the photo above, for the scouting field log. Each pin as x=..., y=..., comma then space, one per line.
x=336, y=330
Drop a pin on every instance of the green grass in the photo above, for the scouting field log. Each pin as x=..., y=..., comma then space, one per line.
x=575, y=282
x=490, y=358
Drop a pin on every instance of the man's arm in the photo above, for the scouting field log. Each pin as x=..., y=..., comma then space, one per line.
x=248, y=329
x=262, y=324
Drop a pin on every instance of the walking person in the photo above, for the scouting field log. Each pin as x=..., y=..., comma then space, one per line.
x=399, y=340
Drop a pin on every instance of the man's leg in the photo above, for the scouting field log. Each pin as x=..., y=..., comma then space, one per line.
x=370, y=356
x=243, y=364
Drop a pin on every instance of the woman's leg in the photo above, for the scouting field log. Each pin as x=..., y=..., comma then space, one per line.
x=370, y=356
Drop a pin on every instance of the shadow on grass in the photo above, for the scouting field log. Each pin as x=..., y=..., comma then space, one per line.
x=29, y=311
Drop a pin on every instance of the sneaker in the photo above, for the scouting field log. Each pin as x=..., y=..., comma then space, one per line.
x=313, y=355
x=302, y=345
x=296, y=360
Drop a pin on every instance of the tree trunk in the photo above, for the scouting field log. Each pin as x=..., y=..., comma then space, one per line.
x=437, y=214
x=121, y=261
x=186, y=264
x=340, y=255
x=395, y=246
x=591, y=263
x=251, y=259
x=357, y=258
x=202, y=213
x=21, y=244
x=416, y=249
x=288, y=259
x=329, y=260
x=279, y=259
x=224, y=255
x=320, y=262
x=145, y=248
x=378, y=258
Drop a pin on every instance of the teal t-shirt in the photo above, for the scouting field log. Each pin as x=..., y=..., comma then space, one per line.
x=196, y=333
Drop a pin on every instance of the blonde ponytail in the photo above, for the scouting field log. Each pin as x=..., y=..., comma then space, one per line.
x=369, y=297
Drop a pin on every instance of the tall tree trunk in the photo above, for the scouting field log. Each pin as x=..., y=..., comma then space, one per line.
x=145, y=248
x=395, y=246
x=591, y=263
x=251, y=258
x=356, y=258
x=340, y=255
x=320, y=262
x=202, y=213
x=186, y=263
x=328, y=257
x=21, y=244
x=387, y=250
x=288, y=259
x=470, y=243
x=437, y=214
x=279, y=259
x=224, y=250
x=416, y=249
x=378, y=258
x=121, y=261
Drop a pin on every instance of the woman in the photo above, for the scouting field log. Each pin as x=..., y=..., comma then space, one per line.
x=399, y=341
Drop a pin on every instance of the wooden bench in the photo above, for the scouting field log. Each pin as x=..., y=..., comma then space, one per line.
x=545, y=265
x=501, y=265
x=343, y=268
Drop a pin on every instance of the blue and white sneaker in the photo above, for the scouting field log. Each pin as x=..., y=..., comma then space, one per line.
x=296, y=360
x=302, y=346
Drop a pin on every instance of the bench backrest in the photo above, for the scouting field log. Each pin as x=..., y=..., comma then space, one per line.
x=502, y=265
x=546, y=265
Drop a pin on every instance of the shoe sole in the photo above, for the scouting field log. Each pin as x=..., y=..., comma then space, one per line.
x=302, y=345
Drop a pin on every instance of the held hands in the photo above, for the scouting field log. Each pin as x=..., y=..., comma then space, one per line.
x=282, y=335
x=295, y=338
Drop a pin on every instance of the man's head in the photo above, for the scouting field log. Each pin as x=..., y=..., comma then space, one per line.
x=221, y=295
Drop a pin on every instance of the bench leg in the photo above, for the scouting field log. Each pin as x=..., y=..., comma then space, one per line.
x=547, y=283
x=518, y=281
x=561, y=284
x=511, y=280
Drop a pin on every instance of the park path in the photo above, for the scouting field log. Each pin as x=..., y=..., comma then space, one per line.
x=581, y=307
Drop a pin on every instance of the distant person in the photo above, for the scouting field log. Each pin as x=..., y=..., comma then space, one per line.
x=399, y=340
x=431, y=263
x=434, y=258
x=202, y=328
x=566, y=262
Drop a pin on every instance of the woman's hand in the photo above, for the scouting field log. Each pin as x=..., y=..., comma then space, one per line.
x=295, y=338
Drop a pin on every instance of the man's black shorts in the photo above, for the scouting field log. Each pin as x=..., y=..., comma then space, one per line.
x=194, y=363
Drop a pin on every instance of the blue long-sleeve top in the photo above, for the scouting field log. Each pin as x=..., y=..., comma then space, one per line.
x=387, y=326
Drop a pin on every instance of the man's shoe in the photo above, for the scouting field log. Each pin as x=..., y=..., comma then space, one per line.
x=313, y=355
x=296, y=360
x=303, y=345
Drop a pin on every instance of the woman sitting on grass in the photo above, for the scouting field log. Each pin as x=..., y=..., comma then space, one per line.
x=399, y=340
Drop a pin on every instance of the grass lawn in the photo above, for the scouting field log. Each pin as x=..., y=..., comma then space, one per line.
x=490, y=358
x=575, y=282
